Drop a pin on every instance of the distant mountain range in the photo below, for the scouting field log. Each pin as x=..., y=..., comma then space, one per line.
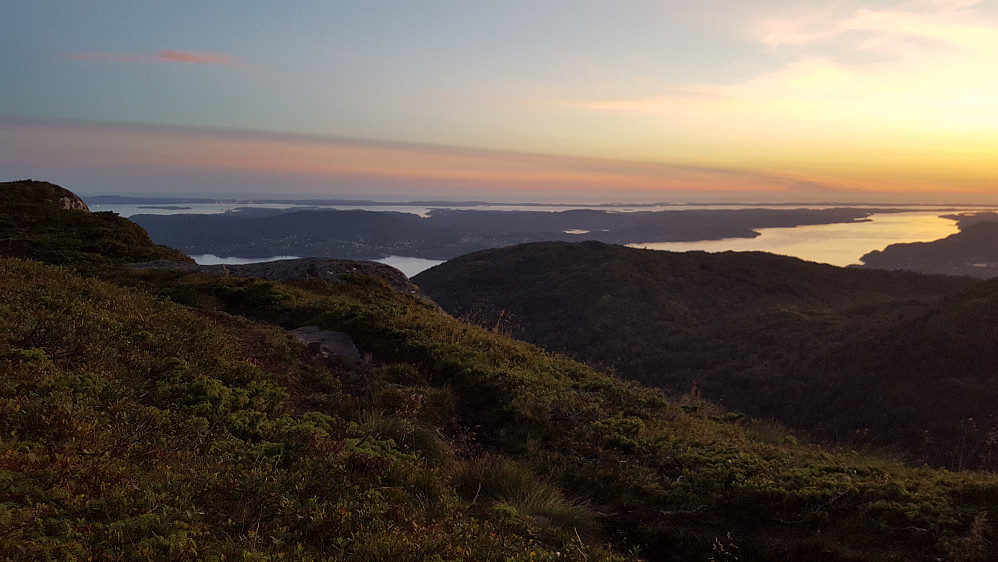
x=447, y=233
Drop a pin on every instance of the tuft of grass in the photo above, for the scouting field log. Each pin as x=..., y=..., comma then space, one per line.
x=504, y=482
x=410, y=437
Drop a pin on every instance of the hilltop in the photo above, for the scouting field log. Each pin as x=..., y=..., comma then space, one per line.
x=859, y=357
x=44, y=221
x=170, y=414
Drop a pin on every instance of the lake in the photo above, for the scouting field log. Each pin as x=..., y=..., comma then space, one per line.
x=839, y=244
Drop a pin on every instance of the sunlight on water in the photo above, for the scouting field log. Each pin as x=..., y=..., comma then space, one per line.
x=838, y=244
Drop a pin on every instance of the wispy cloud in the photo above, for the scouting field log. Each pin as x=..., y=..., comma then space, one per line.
x=850, y=72
x=941, y=22
x=162, y=56
x=363, y=161
x=197, y=58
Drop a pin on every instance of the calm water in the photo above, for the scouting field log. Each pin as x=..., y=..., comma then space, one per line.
x=409, y=266
x=212, y=259
x=838, y=244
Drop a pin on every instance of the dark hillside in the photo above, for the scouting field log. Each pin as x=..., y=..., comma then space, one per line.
x=941, y=366
x=343, y=234
x=664, y=476
x=817, y=346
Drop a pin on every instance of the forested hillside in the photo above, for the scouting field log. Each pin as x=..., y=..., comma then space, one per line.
x=859, y=357
x=161, y=414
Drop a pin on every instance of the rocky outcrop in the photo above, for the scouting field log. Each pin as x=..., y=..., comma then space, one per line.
x=327, y=269
x=68, y=200
x=56, y=194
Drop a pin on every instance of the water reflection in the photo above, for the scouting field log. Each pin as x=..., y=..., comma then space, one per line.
x=838, y=244
x=409, y=266
x=212, y=259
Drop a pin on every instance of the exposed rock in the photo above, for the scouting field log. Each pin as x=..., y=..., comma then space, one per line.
x=327, y=343
x=69, y=200
x=58, y=195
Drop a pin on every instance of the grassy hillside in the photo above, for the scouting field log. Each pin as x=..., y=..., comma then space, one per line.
x=170, y=415
x=140, y=428
x=856, y=355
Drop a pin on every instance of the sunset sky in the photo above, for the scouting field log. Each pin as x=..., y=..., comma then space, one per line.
x=716, y=100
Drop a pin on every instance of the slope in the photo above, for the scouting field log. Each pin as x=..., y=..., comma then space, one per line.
x=168, y=414
x=810, y=344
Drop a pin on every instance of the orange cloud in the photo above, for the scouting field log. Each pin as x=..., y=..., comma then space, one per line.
x=198, y=58
x=162, y=56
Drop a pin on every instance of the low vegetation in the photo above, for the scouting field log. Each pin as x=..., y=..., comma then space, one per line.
x=170, y=415
x=34, y=224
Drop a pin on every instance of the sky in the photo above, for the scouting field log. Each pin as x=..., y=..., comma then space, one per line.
x=510, y=100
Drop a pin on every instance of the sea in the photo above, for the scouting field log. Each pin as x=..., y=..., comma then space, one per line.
x=839, y=244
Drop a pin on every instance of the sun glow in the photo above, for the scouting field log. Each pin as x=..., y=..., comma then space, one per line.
x=831, y=101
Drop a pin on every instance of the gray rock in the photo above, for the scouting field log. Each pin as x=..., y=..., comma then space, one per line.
x=327, y=343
